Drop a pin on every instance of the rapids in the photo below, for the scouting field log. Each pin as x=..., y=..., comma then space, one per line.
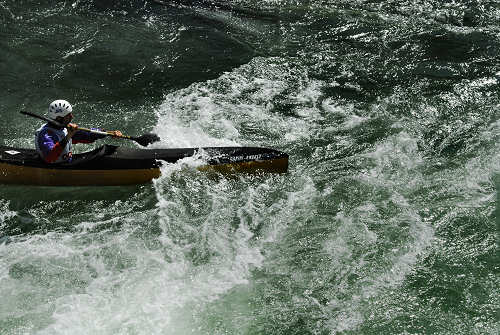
x=385, y=224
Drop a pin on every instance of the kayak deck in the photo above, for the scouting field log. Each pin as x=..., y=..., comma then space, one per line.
x=112, y=165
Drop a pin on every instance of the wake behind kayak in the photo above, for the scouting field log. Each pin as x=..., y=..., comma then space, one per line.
x=113, y=165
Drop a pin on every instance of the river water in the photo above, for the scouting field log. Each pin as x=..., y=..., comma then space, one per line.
x=385, y=224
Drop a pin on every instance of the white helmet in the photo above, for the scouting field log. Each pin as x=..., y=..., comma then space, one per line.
x=59, y=108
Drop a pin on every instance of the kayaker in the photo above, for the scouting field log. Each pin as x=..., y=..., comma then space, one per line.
x=53, y=143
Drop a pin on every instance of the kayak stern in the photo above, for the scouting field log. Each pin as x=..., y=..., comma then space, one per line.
x=25, y=175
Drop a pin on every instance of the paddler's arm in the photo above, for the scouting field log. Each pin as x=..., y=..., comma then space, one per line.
x=116, y=133
x=82, y=136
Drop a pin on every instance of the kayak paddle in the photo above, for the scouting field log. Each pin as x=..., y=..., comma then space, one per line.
x=143, y=140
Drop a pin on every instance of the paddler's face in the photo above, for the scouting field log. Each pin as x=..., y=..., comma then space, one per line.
x=66, y=119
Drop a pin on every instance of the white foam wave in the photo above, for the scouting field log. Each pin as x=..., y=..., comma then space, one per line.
x=5, y=212
x=365, y=230
x=239, y=107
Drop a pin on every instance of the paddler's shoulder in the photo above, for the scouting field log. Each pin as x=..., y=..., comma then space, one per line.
x=48, y=129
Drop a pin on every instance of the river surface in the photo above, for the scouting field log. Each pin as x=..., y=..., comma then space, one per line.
x=385, y=224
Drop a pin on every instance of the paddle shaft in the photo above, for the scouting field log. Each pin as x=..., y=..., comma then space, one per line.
x=93, y=131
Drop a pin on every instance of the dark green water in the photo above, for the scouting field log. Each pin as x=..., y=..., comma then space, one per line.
x=387, y=222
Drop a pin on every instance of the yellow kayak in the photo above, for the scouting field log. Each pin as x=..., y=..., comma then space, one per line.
x=113, y=165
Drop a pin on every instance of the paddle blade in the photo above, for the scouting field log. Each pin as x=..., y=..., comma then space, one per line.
x=147, y=139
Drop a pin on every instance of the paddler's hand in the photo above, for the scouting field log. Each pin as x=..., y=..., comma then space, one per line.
x=116, y=133
x=72, y=129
